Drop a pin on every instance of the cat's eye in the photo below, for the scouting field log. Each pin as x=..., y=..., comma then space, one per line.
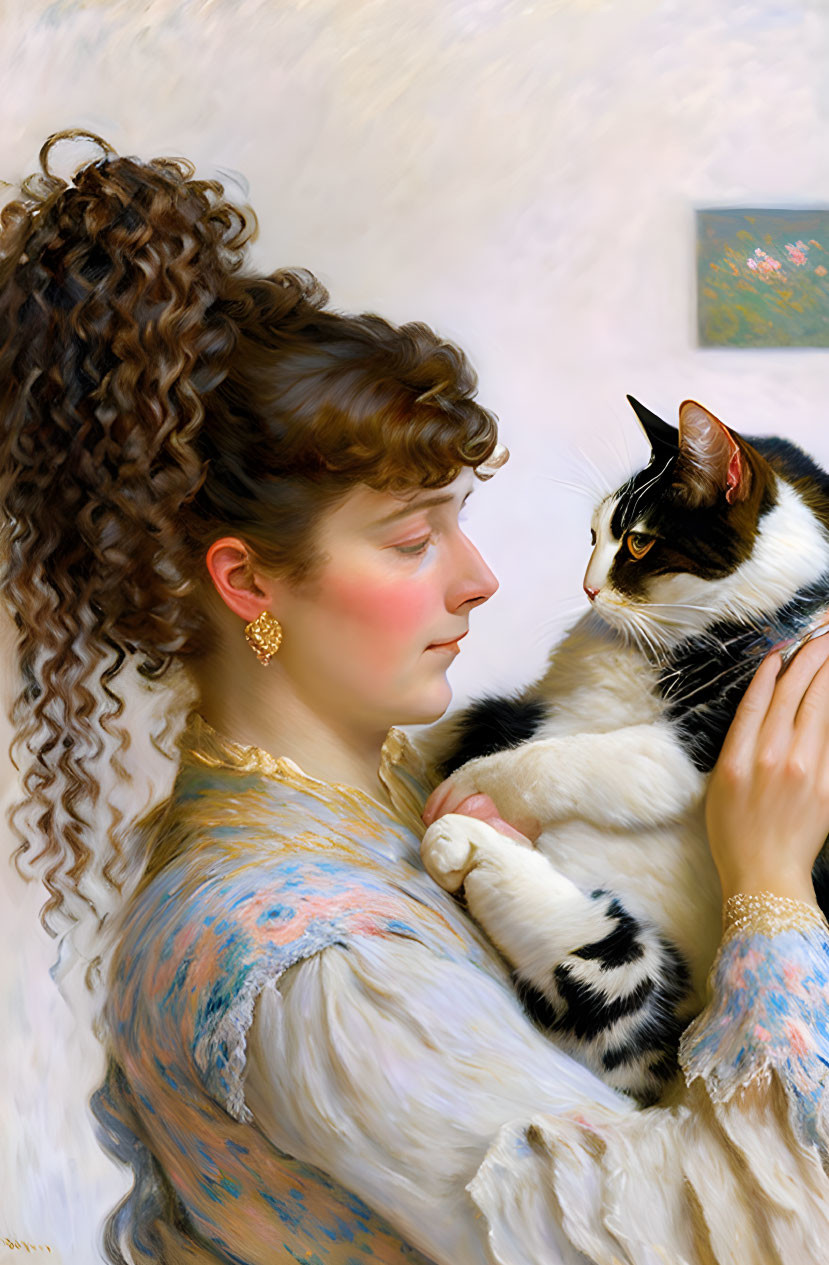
x=592, y=536
x=638, y=545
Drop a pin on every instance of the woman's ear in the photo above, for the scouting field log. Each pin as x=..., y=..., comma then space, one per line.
x=245, y=591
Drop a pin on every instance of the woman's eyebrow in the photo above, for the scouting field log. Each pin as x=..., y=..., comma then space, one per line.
x=420, y=504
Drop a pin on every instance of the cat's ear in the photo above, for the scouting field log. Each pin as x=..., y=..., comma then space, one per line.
x=710, y=459
x=663, y=439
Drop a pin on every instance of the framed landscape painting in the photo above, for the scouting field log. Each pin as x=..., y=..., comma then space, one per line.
x=763, y=278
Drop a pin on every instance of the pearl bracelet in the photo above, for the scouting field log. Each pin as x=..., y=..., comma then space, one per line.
x=764, y=914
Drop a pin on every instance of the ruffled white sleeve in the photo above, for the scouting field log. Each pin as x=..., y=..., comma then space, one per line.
x=393, y=1069
x=734, y=1172
x=419, y=1085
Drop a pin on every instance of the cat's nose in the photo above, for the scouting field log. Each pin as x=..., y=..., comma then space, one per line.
x=591, y=593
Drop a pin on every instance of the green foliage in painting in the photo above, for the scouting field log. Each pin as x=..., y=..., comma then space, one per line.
x=763, y=278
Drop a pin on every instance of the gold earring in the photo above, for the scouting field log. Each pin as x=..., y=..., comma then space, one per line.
x=264, y=635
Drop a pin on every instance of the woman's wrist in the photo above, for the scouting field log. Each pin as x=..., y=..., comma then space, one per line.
x=794, y=884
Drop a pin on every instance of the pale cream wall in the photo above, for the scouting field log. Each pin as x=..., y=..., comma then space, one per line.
x=522, y=175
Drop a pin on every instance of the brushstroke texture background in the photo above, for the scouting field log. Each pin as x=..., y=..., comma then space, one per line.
x=522, y=174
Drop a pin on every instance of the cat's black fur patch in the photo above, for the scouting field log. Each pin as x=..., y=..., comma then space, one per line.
x=647, y=486
x=790, y=460
x=706, y=676
x=820, y=879
x=654, y=1009
x=659, y=1030
x=588, y=1010
x=493, y=724
x=666, y=1066
x=537, y=1005
x=619, y=946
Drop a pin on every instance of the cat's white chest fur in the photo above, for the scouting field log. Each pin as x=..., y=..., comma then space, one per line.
x=663, y=869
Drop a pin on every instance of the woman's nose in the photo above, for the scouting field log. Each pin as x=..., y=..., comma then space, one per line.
x=477, y=582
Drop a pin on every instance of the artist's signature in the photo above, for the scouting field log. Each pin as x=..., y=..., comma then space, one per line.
x=21, y=1245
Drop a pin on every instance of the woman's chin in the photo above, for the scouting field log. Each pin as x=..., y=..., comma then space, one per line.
x=430, y=706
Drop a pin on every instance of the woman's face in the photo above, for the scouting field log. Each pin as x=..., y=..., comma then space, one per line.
x=398, y=577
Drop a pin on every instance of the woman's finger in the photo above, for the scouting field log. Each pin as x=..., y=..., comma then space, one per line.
x=478, y=805
x=430, y=808
x=767, y=680
x=741, y=738
x=791, y=687
x=444, y=799
x=811, y=721
x=483, y=808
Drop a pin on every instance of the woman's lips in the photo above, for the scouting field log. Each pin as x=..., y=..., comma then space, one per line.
x=446, y=645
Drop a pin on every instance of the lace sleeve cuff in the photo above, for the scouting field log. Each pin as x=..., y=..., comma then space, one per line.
x=763, y=913
x=768, y=1009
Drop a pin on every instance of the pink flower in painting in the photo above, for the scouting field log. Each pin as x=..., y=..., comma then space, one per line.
x=761, y=1033
x=797, y=253
x=820, y=271
x=764, y=263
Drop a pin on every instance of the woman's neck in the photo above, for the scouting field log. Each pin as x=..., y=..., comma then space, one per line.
x=283, y=724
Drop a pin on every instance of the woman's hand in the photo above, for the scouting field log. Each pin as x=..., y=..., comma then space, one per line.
x=482, y=807
x=449, y=798
x=767, y=807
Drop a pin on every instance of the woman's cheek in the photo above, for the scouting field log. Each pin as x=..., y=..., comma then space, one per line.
x=387, y=618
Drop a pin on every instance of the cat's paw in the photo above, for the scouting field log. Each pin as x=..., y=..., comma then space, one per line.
x=448, y=852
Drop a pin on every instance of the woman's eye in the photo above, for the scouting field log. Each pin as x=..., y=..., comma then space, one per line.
x=592, y=536
x=638, y=545
x=412, y=551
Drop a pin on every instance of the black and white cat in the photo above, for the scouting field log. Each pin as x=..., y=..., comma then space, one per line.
x=715, y=552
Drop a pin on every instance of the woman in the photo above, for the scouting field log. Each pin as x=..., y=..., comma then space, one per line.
x=314, y=1054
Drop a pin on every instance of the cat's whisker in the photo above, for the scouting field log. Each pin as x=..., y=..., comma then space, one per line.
x=565, y=609
x=577, y=465
x=551, y=630
x=682, y=606
x=643, y=622
x=631, y=460
x=567, y=483
x=743, y=666
x=672, y=621
x=644, y=635
x=738, y=639
x=621, y=454
x=706, y=685
x=647, y=486
x=602, y=481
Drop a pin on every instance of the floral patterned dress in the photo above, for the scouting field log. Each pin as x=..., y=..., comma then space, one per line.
x=316, y=1056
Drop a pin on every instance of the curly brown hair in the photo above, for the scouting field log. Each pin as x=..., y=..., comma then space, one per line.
x=154, y=396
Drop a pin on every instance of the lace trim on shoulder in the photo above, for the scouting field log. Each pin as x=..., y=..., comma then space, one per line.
x=221, y=1051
